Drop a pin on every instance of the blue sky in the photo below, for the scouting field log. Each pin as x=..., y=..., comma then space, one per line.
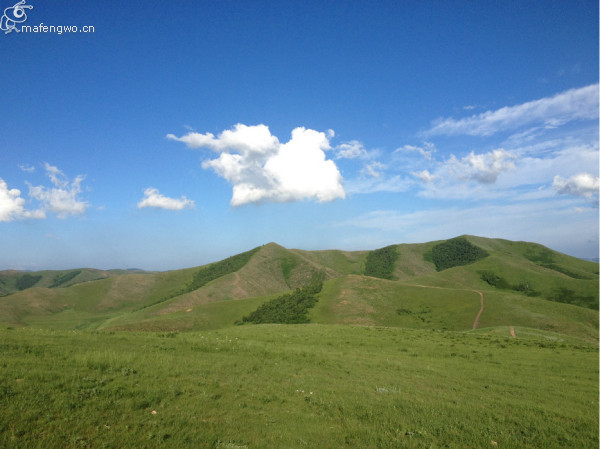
x=179, y=133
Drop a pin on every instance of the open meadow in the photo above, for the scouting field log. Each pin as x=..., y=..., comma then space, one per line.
x=464, y=343
x=294, y=386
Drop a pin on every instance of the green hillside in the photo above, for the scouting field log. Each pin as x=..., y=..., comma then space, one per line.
x=12, y=281
x=468, y=342
x=435, y=285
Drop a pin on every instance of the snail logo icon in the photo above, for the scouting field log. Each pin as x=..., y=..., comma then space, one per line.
x=13, y=15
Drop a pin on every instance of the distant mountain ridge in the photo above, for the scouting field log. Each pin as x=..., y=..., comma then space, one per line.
x=521, y=282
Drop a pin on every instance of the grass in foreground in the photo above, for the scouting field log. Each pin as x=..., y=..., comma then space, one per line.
x=273, y=386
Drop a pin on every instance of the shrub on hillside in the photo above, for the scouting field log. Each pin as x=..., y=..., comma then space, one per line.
x=380, y=263
x=27, y=281
x=496, y=281
x=215, y=270
x=291, y=308
x=568, y=296
x=209, y=273
x=62, y=278
x=456, y=252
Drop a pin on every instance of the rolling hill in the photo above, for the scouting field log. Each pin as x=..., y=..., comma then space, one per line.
x=516, y=287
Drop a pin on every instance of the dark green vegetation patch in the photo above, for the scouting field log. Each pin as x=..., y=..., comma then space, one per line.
x=456, y=252
x=63, y=278
x=380, y=263
x=215, y=270
x=209, y=273
x=545, y=258
x=288, y=263
x=27, y=281
x=569, y=296
x=496, y=281
x=290, y=308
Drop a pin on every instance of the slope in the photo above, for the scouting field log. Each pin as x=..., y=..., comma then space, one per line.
x=524, y=285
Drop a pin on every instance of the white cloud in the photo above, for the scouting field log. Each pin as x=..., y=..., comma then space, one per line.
x=63, y=198
x=424, y=176
x=581, y=184
x=574, y=104
x=260, y=168
x=350, y=150
x=12, y=206
x=396, y=183
x=555, y=223
x=153, y=198
x=483, y=168
x=486, y=167
x=426, y=150
x=246, y=140
x=11, y=203
x=373, y=169
x=27, y=168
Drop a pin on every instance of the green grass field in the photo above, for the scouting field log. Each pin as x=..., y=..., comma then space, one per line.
x=294, y=386
x=399, y=352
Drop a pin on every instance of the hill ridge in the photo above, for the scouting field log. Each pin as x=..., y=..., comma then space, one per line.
x=520, y=280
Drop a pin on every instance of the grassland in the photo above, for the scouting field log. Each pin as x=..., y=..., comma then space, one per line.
x=273, y=386
x=394, y=355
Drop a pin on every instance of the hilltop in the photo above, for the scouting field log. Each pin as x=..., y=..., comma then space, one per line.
x=439, y=285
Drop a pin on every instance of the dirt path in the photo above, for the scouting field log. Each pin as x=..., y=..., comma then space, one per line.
x=476, y=322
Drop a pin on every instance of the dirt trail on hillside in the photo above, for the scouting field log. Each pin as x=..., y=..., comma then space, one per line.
x=476, y=322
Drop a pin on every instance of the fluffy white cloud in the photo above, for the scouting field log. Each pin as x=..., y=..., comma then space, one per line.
x=11, y=203
x=12, y=206
x=581, y=184
x=63, y=198
x=153, y=198
x=574, y=104
x=484, y=167
x=260, y=168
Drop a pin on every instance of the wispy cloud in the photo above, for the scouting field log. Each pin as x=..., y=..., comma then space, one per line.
x=261, y=168
x=27, y=168
x=520, y=221
x=153, y=198
x=426, y=150
x=350, y=150
x=574, y=104
x=424, y=176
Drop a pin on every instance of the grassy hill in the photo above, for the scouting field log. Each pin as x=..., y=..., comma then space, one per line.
x=468, y=342
x=434, y=285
